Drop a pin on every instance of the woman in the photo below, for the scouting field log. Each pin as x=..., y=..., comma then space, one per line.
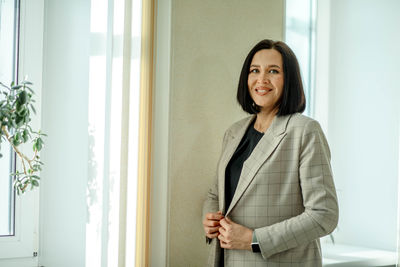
x=274, y=195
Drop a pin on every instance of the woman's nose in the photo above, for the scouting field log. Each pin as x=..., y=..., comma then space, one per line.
x=264, y=77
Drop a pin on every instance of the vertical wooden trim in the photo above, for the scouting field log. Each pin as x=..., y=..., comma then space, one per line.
x=145, y=134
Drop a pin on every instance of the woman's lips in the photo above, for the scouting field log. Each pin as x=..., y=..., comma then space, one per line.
x=262, y=91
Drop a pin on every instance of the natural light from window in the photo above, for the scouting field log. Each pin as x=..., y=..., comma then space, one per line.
x=300, y=36
x=7, y=12
x=108, y=68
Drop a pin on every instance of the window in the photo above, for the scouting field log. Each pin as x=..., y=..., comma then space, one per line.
x=21, y=35
x=9, y=21
x=300, y=36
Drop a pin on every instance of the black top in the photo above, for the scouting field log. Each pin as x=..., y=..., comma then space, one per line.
x=234, y=167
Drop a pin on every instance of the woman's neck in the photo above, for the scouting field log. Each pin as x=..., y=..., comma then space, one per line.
x=264, y=120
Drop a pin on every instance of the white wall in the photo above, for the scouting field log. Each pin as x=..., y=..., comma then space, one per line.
x=364, y=97
x=209, y=42
x=65, y=117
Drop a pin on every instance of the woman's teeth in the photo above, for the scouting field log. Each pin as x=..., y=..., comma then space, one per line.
x=262, y=91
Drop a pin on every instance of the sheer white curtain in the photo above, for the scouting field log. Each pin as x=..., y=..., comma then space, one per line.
x=114, y=74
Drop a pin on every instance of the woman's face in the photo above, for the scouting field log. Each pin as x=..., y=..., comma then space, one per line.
x=265, y=80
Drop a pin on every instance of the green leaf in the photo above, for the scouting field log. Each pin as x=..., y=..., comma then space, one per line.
x=39, y=144
x=17, y=136
x=19, y=120
x=16, y=87
x=23, y=112
x=33, y=109
x=36, y=167
x=23, y=97
x=35, y=183
x=15, y=142
x=19, y=107
x=25, y=135
x=16, y=182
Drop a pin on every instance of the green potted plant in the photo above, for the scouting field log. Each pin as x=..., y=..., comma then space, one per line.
x=16, y=108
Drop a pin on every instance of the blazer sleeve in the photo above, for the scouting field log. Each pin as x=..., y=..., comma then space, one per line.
x=320, y=216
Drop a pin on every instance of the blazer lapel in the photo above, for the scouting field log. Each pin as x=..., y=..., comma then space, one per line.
x=265, y=147
x=235, y=135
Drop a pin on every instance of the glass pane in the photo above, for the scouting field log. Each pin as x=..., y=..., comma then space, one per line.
x=6, y=193
x=299, y=36
x=7, y=52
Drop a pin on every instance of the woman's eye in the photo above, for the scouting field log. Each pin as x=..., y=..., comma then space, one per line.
x=273, y=71
x=254, y=71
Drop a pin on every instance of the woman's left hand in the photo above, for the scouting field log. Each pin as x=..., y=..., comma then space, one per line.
x=234, y=236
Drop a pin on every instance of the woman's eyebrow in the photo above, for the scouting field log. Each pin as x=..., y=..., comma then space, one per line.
x=269, y=66
x=274, y=66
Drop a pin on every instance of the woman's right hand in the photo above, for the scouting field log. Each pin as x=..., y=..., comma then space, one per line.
x=211, y=224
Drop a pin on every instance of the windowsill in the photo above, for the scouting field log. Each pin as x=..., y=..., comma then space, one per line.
x=345, y=255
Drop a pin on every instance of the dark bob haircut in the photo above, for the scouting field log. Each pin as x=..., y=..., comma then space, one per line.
x=292, y=99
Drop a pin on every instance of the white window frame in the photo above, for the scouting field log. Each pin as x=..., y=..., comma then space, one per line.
x=22, y=248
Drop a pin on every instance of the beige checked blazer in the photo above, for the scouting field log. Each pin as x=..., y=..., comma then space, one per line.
x=285, y=193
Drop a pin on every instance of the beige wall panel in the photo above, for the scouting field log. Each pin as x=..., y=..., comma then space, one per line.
x=210, y=40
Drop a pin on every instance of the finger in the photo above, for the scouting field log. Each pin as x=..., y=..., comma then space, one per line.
x=224, y=223
x=209, y=223
x=214, y=216
x=224, y=245
x=225, y=234
x=228, y=220
x=222, y=238
x=212, y=235
x=223, y=242
x=211, y=230
x=221, y=230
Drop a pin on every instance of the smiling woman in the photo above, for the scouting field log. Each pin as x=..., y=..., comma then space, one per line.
x=273, y=196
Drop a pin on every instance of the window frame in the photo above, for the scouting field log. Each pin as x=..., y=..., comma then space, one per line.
x=22, y=247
